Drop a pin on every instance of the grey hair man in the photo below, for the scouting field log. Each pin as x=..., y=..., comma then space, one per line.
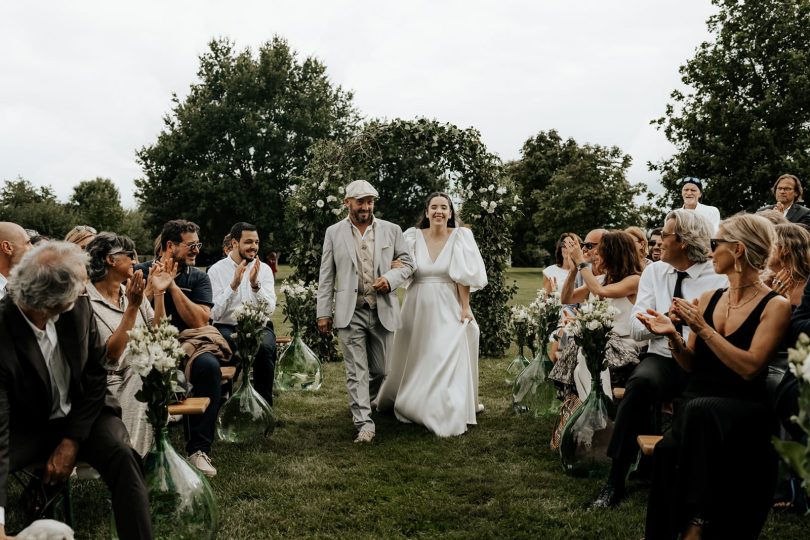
x=14, y=243
x=53, y=386
x=357, y=285
x=684, y=271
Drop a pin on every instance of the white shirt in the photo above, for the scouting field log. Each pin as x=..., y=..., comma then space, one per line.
x=226, y=299
x=58, y=369
x=711, y=213
x=655, y=290
x=3, y=282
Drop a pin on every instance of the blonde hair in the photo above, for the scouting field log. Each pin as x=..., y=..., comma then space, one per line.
x=639, y=234
x=755, y=233
x=793, y=245
x=79, y=233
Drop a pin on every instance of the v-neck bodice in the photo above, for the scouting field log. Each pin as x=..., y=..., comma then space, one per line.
x=441, y=251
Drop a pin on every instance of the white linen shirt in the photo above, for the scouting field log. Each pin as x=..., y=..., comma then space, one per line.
x=655, y=290
x=226, y=299
x=58, y=369
x=711, y=213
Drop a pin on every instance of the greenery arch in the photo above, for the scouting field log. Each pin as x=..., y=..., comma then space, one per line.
x=406, y=161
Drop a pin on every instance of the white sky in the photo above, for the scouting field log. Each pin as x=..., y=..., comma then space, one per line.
x=86, y=83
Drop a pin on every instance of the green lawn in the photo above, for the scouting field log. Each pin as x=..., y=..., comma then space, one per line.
x=500, y=480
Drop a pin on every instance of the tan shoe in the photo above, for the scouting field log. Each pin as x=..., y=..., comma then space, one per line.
x=202, y=462
x=364, y=436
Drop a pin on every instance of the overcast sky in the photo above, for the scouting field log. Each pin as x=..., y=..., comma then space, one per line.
x=87, y=83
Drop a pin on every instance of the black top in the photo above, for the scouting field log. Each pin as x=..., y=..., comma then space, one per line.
x=194, y=283
x=710, y=376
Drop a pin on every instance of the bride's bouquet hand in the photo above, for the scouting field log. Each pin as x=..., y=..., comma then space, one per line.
x=466, y=314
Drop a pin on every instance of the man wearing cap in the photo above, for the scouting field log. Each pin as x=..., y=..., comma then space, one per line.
x=691, y=190
x=357, y=283
x=788, y=192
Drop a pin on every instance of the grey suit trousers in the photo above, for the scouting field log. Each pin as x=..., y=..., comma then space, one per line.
x=365, y=342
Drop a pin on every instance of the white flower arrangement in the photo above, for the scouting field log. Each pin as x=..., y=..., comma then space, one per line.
x=254, y=310
x=591, y=331
x=154, y=347
x=299, y=303
x=545, y=309
x=797, y=454
x=251, y=317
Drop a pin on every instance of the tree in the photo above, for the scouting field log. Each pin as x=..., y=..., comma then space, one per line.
x=230, y=149
x=745, y=119
x=133, y=225
x=591, y=191
x=35, y=208
x=98, y=203
x=541, y=157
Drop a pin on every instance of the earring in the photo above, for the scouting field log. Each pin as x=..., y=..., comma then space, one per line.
x=737, y=266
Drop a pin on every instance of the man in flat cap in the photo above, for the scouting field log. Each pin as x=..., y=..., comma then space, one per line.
x=358, y=284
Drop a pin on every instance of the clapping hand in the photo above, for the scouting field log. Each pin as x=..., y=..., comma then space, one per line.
x=134, y=289
x=574, y=251
x=162, y=275
x=254, y=274
x=657, y=323
x=782, y=283
x=689, y=313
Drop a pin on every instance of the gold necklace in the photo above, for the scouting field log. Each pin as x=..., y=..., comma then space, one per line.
x=742, y=287
x=729, y=307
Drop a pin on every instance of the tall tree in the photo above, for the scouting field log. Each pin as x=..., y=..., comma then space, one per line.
x=35, y=208
x=98, y=203
x=745, y=119
x=590, y=191
x=541, y=157
x=231, y=147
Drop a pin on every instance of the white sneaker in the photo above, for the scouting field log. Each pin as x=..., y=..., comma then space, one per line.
x=480, y=408
x=202, y=462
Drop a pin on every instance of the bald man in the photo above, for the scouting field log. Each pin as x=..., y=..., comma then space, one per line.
x=14, y=243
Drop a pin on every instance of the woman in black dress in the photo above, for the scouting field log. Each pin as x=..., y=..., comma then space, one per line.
x=715, y=469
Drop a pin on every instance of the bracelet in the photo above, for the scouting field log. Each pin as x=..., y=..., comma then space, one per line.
x=159, y=293
x=680, y=342
x=714, y=333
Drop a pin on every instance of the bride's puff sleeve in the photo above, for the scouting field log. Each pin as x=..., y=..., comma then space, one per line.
x=410, y=243
x=466, y=263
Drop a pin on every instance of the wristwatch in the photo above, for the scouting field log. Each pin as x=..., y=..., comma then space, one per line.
x=257, y=287
x=582, y=265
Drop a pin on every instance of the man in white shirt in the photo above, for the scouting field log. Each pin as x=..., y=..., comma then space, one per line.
x=684, y=271
x=691, y=191
x=241, y=277
x=54, y=405
x=14, y=243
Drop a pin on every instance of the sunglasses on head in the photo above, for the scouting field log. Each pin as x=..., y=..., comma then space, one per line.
x=130, y=254
x=714, y=242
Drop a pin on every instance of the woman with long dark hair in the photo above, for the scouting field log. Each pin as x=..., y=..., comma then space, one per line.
x=433, y=362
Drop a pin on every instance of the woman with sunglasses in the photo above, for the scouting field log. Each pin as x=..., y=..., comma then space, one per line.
x=620, y=271
x=116, y=292
x=714, y=471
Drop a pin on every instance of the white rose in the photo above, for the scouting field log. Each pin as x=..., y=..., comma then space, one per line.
x=501, y=190
x=491, y=187
x=593, y=325
x=331, y=198
x=514, y=209
x=493, y=204
x=484, y=205
x=319, y=203
x=482, y=190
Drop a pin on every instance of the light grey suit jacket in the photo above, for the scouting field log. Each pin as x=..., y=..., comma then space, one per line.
x=339, y=272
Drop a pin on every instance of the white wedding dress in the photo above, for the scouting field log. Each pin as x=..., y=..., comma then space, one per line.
x=433, y=362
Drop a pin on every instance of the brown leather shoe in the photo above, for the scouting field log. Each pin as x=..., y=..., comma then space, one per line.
x=364, y=436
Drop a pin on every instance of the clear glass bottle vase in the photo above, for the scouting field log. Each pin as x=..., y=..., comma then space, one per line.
x=298, y=368
x=518, y=363
x=181, y=501
x=586, y=435
x=533, y=393
x=246, y=416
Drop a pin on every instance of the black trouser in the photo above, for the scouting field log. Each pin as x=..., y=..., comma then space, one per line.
x=264, y=365
x=717, y=464
x=108, y=451
x=655, y=380
x=206, y=381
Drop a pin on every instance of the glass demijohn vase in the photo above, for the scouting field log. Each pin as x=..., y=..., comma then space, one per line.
x=534, y=393
x=517, y=365
x=246, y=416
x=181, y=501
x=298, y=368
x=587, y=433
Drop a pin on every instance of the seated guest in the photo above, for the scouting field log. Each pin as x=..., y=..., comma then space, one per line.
x=119, y=305
x=684, y=271
x=691, y=191
x=555, y=274
x=53, y=386
x=655, y=245
x=714, y=471
x=242, y=277
x=188, y=303
x=789, y=265
x=788, y=192
x=80, y=235
x=14, y=243
x=640, y=238
x=620, y=269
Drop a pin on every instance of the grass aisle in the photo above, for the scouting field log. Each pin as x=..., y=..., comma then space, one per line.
x=500, y=480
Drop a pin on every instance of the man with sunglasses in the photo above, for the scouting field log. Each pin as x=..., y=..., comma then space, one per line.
x=590, y=254
x=655, y=244
x=188, y=302
x=684, y=271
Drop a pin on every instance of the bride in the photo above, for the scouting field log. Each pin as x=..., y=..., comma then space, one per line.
x=433, y=377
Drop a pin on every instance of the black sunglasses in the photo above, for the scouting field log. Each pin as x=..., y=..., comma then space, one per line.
x=588, y=245
x=192, y=246
x=713, y=242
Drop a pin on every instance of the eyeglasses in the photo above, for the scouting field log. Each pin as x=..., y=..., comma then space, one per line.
x=665, y=235
x=715, y=241
x=193, y=245
x=784, y=188
x=588, y=245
